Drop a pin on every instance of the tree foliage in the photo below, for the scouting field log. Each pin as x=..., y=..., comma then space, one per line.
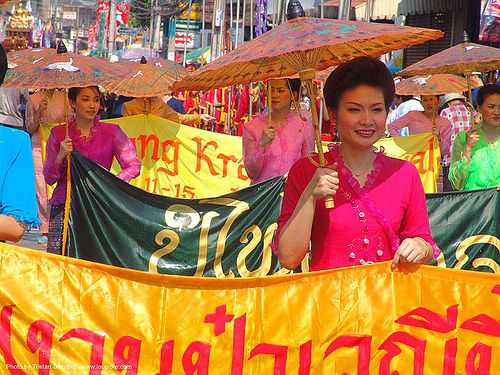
x=140, y=10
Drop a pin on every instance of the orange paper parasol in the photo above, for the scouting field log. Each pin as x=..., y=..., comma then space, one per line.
x=62, y=69
x=463, y=58
x=435, y=84
x=303, y=45
x=146, y=78
x=28, y=56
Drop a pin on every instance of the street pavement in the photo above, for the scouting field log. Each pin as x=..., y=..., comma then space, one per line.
x=29, y=240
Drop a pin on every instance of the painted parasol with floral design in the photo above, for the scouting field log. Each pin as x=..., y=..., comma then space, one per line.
x=432, y=84
x=62, y=69
x=303, y=45
x=146, y=78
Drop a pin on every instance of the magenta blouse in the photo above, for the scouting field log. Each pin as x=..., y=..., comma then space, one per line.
x=293, y=140
x=368, y=223
x=105, y=142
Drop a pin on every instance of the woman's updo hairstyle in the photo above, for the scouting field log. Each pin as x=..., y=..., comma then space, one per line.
x=485, y=91
x=73, y=91
x=359, y=71
x=294, y=84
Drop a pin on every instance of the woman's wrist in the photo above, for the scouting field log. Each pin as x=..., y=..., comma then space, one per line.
x=428, y=251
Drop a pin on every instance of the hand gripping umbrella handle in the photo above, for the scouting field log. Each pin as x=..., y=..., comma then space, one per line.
x=317, y=137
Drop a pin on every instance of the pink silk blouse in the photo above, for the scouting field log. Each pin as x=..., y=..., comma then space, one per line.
x=294, y=140
x=392, y=201
x=105, y=142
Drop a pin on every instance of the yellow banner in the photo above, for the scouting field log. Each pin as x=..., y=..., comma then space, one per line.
x=76, y=317
x=180, y=161
x=422, y=150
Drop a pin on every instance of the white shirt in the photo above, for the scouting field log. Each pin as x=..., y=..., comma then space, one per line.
x=10, y=106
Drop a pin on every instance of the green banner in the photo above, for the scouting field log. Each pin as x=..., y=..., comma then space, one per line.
x=466, y=227
x=115, y=223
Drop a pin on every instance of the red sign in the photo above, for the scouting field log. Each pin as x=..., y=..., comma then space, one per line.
x=122, y=12
x=103, y=8
x=181, y=39
x=489, y=24
x=93, y=41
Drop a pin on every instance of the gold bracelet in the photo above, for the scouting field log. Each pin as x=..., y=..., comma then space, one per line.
x=428, y=248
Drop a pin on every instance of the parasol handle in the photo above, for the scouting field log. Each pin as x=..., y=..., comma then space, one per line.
x=469, y=102
x=435, y=131
x=66, y=110
x=329, y=203
x=269, y=105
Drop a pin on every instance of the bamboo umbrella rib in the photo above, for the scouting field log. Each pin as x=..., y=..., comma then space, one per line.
x=299, y=60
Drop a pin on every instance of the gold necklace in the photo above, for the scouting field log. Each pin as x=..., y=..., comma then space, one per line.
x=361, y=173
x=368, y=169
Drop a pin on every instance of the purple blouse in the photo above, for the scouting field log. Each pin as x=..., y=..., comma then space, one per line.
x=293, y=140
x=368, y=223
x=104, y=142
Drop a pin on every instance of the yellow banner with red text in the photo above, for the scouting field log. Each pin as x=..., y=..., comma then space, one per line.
x=180, y=161
x=76, y=317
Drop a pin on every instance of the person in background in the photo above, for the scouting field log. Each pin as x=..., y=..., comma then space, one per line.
x=426, y=122
x=18, y=208
x=117, y=109
x=404, y=104
x=476, y=81
x=455, y=111
x=174, y=101
x=11, y=100
x=156, y=106
x=107, y=104
x=99, y=141
x=191, y=102
x=475, y=156
x=45, y=108
x=328, y=129
x=380, y=211
x=270, y=150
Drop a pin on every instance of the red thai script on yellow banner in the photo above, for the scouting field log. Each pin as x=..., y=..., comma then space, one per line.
x=72, y=316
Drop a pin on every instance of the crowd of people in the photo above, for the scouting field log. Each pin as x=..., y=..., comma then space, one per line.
x=380, y=212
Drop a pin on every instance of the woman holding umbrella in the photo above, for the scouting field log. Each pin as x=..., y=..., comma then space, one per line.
x=270, y=147
x=380, y=212
x=98, y=141
x=475, y=156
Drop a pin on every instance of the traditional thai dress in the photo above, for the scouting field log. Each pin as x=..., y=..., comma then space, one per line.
x=483, y=170
x=368, y=222
x=104, y=143
x=293, y=140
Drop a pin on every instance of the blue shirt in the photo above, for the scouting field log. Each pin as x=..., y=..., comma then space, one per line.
x=176, y=105
x=17, y=176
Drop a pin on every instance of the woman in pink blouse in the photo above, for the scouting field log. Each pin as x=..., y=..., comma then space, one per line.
x=380, y=212
x=271, y=150
x=98, y=141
